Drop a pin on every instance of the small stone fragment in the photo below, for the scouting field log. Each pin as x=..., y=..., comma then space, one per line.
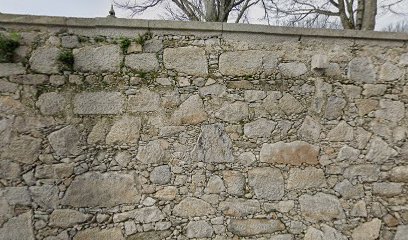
x=160, y=175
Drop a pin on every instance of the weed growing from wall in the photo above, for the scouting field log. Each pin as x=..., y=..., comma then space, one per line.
x=66, y=58
x=7, y=46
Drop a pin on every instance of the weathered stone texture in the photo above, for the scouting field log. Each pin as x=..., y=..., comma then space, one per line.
x=267, y=183
x=259, y=128
x=145, y=62
x=361, y=70
x=320, y=207
x=191, y=111
x=235, y=182
x=65, y=141
x=239, y=207
x=294, y=153
x=292, y=69
x=154, y=152
x=24, y=149
x=51, y=103
x=8, y=69
x=94, y=189
x=124, y=131
x=199, y=229
x=105, y=58
x=367, y=231
x=399, y=174
x=213, y=145
x=19, y=227
x=98, y=103
x=144, y=101
x=189, y=60
x=249, y=62
x=44, y=60
x=100, y=234
x=309, y=177
x=233, y=112
x=193, y=207
x=252, y=227
x=65, y=218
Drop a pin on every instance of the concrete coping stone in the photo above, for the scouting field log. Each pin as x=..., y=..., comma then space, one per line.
x=103, y=22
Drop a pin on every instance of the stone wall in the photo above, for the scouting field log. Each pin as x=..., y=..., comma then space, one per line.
x=242, y=132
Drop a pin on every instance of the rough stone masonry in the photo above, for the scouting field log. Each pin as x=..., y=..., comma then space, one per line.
x=202, y=135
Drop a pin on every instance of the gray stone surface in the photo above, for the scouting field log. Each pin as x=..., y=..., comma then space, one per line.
x=141, y=215
x=24, y=149
x=199, y=229
x=310, y=129
x=235, y=182
x=267, y=183
x=387, y=189
x=191, y=111
x=193, y=207
x=9, y=69
x=368, y=230
x=259, y=128
x=252, y=227
x=213, y=145
x=334, y=107
x=9, y=170
x=390, y=72
x=321, y=207
x=361, y=70
x=44, y=60
x=379, y=151
x=154, y=152
x=51, y=103
x=189, y=60
x=45, y=196
x=98, y=103
x=65, y=141
x=402, y=231
x=144, y=62
x=348, y=190
x=70, y=41
x=365, y=172
x=143, y=101
x=54, y=171
x=30, y=79
x=309, y=177
x=6, y=86
x=215, y=185
x=125, y=130
x=292, y=69
x=319, y=62
x=239, y=207
x=94, y=189
x=340, y=133
x=399, y=174
x=149, y=235
x=65, y=218
x=290, y=105
x=19, y=227
x=233, y=112
x=160, y=175
x=105, y=58
x=100, y=234
x=393, y=111
x=241, y=63
x=294, y=153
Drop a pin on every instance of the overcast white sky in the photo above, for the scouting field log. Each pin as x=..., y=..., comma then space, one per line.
x=100, y=8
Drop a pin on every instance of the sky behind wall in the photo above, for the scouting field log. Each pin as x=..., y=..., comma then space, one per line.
x=100, y=8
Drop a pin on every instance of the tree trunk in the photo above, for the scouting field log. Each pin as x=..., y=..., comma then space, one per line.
x=369, y=14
